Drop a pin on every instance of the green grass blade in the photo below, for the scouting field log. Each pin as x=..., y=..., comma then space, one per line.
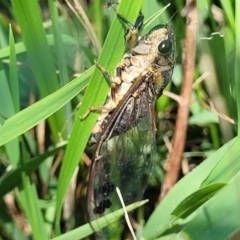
x=161, y=218
x=155, y=16
x=8, y=226
x=237, y=61
x=195, y=200
x=20, y=47
x=218, y=218
x=31, y=116
x=12, y=147
x=14, y=85
x=95, y=96
x=227, y=167
x=39, y=55
x=98, y=14
x=216, y=42
x=29, y=200
x=229, y=12
x=86, y=230
x=61, y=58
x=7, y=110
x=13, y=177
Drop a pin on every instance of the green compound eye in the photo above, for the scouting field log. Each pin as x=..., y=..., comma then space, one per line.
x=165, y=47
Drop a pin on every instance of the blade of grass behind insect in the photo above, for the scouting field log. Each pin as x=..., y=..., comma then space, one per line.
x=12, y=100
x=14, y=85
x=154, y=16
x=237, y=63
x=7, y=224
x=160, y=220
x=226, y=168
x=86, y=230
x=228, y=10
x=218, y=218
x=216, y=42
x=185, y=208
x=222, y=93
x=13, y=177
x=20, y=47
x=98, y=13
x=28, y=198
x=7, y=110
x=32, y=115
x=61, y=58
x=95, y=96
x=39, y=55
x=6, y=101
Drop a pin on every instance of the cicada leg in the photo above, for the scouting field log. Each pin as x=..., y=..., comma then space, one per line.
x=107, y=75
x=115, y=81
x=132, y=33
x=94, y=108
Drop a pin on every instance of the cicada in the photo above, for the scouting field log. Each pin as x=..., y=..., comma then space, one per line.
x=124, y=135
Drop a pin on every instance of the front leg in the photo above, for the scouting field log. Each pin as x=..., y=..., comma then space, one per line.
x=101, y=109
x=115, y=80
x=132, y=33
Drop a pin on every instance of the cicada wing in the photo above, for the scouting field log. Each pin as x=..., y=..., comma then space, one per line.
x=126, y=161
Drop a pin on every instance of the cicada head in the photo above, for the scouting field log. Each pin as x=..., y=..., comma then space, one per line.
x=161, y=40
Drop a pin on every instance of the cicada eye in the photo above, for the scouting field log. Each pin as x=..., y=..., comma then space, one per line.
x=165, y=47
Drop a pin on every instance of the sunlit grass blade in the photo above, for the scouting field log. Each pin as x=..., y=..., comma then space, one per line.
x=20, y=47
x=7, y=224
x=237, y=61
x=216, y=42
x=61, y=58
x=155, y=16
x=39, y=55
x=229, y=12
x=218, y=218
x=29, y=201
x=227, y=167
x=161, y=218
x=12, y=178
x=195, y=200
x=95, y=96
x=31, y=116
x=86, y=230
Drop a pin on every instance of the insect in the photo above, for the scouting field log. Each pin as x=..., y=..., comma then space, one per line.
x=124, y=134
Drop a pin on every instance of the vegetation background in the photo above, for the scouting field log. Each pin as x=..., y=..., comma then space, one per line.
x=46, y=71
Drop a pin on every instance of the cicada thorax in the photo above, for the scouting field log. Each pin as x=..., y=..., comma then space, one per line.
x=130, y=110
x=150, y=65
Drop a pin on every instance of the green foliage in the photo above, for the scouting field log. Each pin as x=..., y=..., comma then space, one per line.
x=38, y=82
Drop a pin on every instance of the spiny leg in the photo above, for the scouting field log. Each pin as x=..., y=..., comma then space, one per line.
x=115, y=81
x=94, y=108
x=132, y=33
x=138, y=23
x=108, y=76
x=104, y=71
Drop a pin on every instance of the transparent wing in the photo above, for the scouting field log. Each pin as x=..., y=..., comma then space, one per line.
x=126, y=162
